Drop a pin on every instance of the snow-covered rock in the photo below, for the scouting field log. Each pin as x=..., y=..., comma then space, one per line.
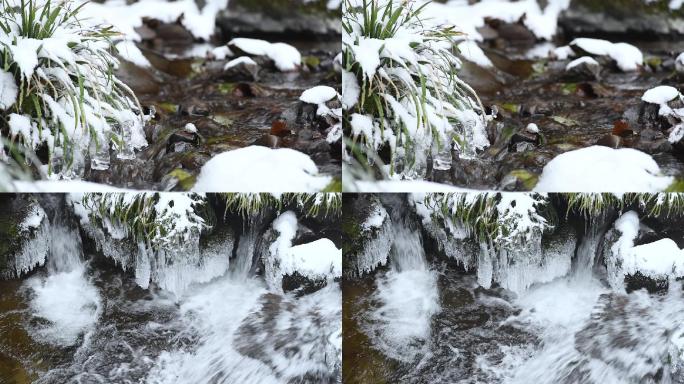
x=130, y=52
x=627, y=56
x=261, y=169
x=286, y=57
x=603, y=169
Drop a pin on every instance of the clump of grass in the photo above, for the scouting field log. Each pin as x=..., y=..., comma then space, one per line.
x=60, y=94
x=155, y=219
x=504, y=220
x=310, y=204
x=650, y=204
x=410, y=101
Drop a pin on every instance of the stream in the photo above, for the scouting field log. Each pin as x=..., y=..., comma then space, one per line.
x=433, y=323
x=81, y=319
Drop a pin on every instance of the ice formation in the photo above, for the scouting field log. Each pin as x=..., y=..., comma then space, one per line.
x=379, y=238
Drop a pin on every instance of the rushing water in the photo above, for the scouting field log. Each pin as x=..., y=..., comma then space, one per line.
x=433, y=323
x=79, y=321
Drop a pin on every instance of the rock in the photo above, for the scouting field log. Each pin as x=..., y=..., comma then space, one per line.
x=302, y=284
x=182, y=141
x=24, y=235
x=584, y=68
x=279, y=17
x=269, y=141
x=365, y=248
x=624, y=17
x=242, y=68
x=611, y=141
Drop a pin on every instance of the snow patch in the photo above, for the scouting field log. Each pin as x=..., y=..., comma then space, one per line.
x=286, y=57
x=261, y=169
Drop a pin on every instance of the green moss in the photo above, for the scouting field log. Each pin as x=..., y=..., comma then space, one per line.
x=226, y=88
x=311, y=61
x=676, y=186
x=168, y=107
x=568, y=88
x=186, y=180
x=511, y=107
x=526, y=178
x=334, y=186
x=654, y=62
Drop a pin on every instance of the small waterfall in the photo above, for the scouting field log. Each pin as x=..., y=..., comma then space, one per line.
x=406, y=298
x=247, y=247
x=66, y=298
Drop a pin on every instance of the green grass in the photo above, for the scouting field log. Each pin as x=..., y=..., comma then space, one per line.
x=74, y=102
x=311, y=204
x=428, y=87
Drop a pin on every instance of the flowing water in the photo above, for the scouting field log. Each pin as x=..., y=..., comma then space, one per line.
x=82, y=320
x=405, y=326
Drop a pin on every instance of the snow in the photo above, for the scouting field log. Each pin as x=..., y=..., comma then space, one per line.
x=584, y=59
x=375, y=219
x=319, y=259
x=190, y=127
x=661, y=259
x=367, y=54
x=34, y=218
x=350, y=90
x=660, y=95
x=130, y=52
x=261, y=169
x=62, y=186
x=562, y=53
x=603, y=169
x=8, y=90
x=285, y=56
x=125, y=18
x=318, y=95
x=472, y=52
x=25, y=54
x=240, y=60
x=20, y=125
x=532, y=128
x=627, y=56
x=220, y=53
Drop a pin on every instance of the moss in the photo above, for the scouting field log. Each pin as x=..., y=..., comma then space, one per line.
x=168, y=107
x=186, y=180
x=569, y=88
x=511, y=107
x=311, y=61
x=226, y=88
x=654, y=62
x=334, y=186
x=676, y=186
x=526, y=178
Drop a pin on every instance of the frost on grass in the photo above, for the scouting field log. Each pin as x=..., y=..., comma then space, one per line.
x=157, y=235
x=401, y=83
x=603, y=169
x=58, y=90
x=510, y=229
x=261, y=169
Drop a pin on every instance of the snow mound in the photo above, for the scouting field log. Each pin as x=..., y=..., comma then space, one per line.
x=261, y=169
x=627, y=56
x=660, y=95
x=130, y=52
x=8, y=90
x=603, y=169
x=318, y=95
x=286, y=57
x=584, y=59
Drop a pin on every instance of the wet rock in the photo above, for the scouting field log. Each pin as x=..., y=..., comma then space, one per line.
x=624, y=17
x=140, y=80
x=182, y=141
x=279, y=128
x=584, y=68
x=269, y=141
x=301, y=284
x=611, y=141
x=24, y=235
x=516, y=34
x=242, y=68
x=523, y=147
x=278, y=17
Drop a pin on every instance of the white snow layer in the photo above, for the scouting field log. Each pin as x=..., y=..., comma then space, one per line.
x=660, y=95
x=661, y=259
x=261, y=169
x=584, y=59
x=627, y=56
x=603, y=169
x=130, y=52
x=318, y=95
x=125, y=18
x=285, y=56
x=8, y=90
x=240, y=60
x=472, y=52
